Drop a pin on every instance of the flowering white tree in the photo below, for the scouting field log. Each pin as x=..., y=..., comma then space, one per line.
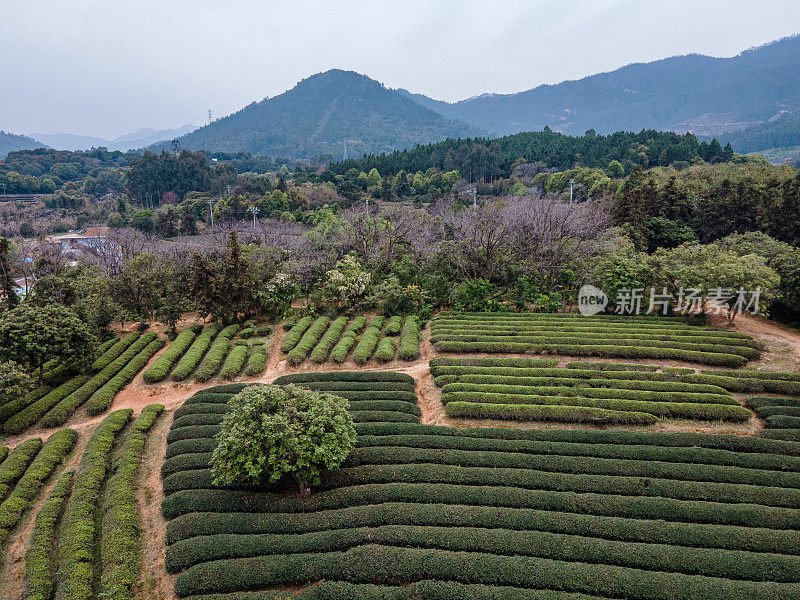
x=347, y=283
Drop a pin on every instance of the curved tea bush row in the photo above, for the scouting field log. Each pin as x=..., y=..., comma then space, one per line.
x=40, y=558
x=194, y=354
x=323, y=349
x=212, y=361
x=611, y=366
x=386, y=350
x=234, y=362
x=782, y=422
x=409, y=339
x=115, y=351
x=290, y=322
x=3, y=453
x=14, y=407
x=525, y=363
x=365, y=376
x=393, y=325
x=541, y=412
x=102, y=399
x=54, y=451
x=76, y=558
x=753, y=374
x=119, y=564
x=62, y=411
x=311, y=336
x=257, y=361
x=344, y=345
x=790, y=435
x=14, y=466
x=295, y=334
x=160, y=368
x=29, y=416
x=369, y=340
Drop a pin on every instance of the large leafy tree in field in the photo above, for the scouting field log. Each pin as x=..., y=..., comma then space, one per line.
x=33, y=335
x=274, y=431
x=14, y=382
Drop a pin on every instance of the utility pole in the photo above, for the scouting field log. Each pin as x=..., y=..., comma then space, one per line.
x=474, y=197
x=344, y=142
x=211, y=212
x=209, y=116
x=571, y=183
x=255, y=211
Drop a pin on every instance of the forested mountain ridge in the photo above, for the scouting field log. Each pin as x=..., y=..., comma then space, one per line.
x=321, y=115
x=706, y=95
x=9, y=142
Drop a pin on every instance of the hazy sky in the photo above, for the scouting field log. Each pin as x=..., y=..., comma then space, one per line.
x=105, y=68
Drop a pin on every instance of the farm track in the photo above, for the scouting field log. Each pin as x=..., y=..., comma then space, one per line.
x=782, y=354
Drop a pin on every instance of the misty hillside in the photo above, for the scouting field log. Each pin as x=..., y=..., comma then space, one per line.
x=705, y=95
x=321, y=112
x=10, y=142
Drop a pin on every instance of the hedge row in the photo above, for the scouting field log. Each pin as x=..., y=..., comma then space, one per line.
x=212, y=361
x=102, y=399
x=654, y=557
x=3, y=453
x=768, y=411
x=611, y=351
x=14, y=466
x=367, y=376
x=115, y=351
x=344, y=345
x=759, y=401
x=393, y=325
x=358, y=386
x=299, y=352
x=119, y=564
x=522, y=363
x=78, y=531
x=409, y=339
x=386, y=349
x=160, y=368
x=14, y=407
x=295, y=334
x=40, y=557
x=373, y=563
x=675, y=410
x=782, y=422
x=194, y=354
x=257, y=361
x=31, y=414
x=54, y=451
x=790, y=435
x=62, y=411
x=541, y=412
x=234, y=362
x=290, y=322
x=753, y=374
x=692, y=535
x=369, y=340
x=322, y=350
x=611, y=366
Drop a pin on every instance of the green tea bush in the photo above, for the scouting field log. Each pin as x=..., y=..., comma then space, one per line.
x=40, y=557
x=14, y=407
x=344, y=376
x=53, y=452
x=16, y=463
x=759, y=401
x=194, y=354
x=257, y=361
x=540, y=412
x=790, y=435
x=77, y=534
x=29, y=416
x=369, y=340
x=295, y=334
x=611, y=366
x=311, y=336
x=160, y=368
x=782, y=422
x=393, y=325
x=348, y=340
x=115, y=351
x=386, y=350
x=323, y=349
x=290, y=322
x=119, y=560
x=409, y=339
x=234, y=362
x=212, y=361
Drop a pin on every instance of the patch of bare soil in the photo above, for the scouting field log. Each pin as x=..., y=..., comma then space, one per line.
x=154, y=581
x=781, y=344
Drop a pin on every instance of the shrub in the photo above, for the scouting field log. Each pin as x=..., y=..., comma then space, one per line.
x=3, y=453
x=768, y=411
x=759, y=401
x=14, y=407
x=77, y=533
x=16, y=463
x=369, y=340
x=386, y=350
x=295, y=334
x=271, y=432
x=300, y=350
x=791, y=435
x=160, y=368
x=409, y=339
x=323, y=349
x=194, y=354
x=30, y=415
x=212, y=361
x=344, y=345
x=782, y=422
x=19, y=501
x=527, y=363
x=611, y=366
x=40, y=559
x=114, y=352
x=257, y=361
x=290, y=322
x=120, y=536
x=366, y=376
x=530, y=412
x=102, y=399
x=393, y=325
x=234, y=362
